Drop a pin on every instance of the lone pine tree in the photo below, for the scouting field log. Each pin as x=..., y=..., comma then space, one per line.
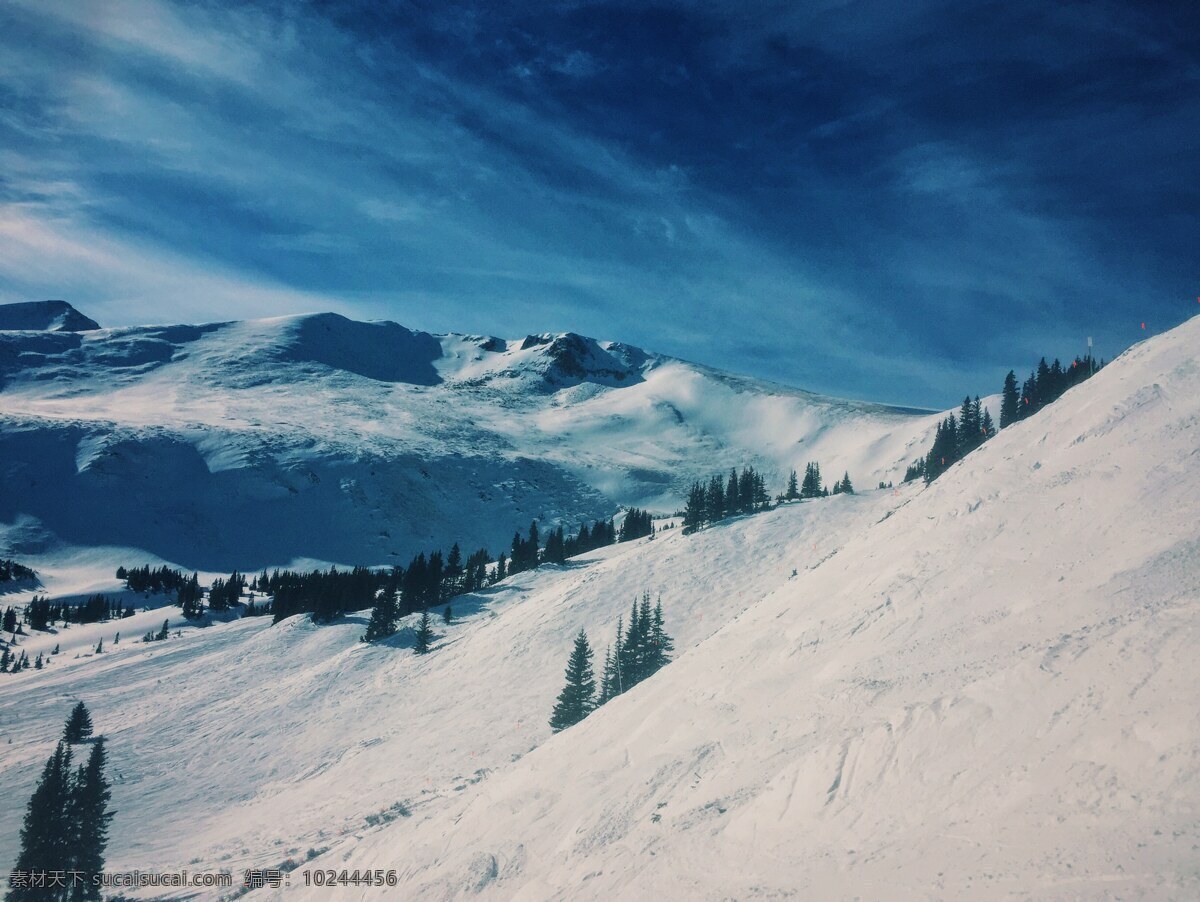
x=424, y=635
x=576, y=700
x=79, y=725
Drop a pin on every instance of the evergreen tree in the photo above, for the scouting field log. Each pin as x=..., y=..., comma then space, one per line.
x=89, y=817
x=424, y=635
x=448, y=615
x=163, y=633
x=731, y=494
x=79, y=725
x=1009, y=401
x=5, y=660
x=694, y=512
x=608, y=679
x=793, y=490
x=47, y=836
x=714, y=499
x=661, y=644
x=576, y=700
x=847, y=487
x=383, y=617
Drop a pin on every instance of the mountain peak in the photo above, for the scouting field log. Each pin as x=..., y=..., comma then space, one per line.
x=44, y=316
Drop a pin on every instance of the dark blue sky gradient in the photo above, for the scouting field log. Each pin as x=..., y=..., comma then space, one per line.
x=879, y=200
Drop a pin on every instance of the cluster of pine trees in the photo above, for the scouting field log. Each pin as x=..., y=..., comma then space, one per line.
x=719, y=498
x=560, y=546
x=638, y=653
x=151, y=635
x=637, y=525
x=159, y=580
x=11, y=662
x=958, y=436
x=11, y=571
x=66, y=822
x=325, y=594
x=41, y=612
x=224, y=593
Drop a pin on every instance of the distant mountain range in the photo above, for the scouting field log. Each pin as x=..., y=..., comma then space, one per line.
x=251, y=444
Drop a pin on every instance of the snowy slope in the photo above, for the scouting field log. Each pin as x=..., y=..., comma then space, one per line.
x=223, y=445
x=991, y=692
x=981, y=688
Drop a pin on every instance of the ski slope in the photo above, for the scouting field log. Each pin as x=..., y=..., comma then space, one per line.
x=983, y=688
x=992, y=692
x=219, y=446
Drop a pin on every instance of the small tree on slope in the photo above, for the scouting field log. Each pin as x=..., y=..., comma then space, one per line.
x=424, y=635
x=79, y=725
x=576, y=700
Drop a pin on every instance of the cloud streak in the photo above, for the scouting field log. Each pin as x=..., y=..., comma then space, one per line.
x=875, y=205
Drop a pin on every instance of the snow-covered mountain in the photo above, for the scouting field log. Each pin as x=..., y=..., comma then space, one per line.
x=984, y=688
x=252, y=444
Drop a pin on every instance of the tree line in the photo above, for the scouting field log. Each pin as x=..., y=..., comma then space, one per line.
x=11, y=571
x=956, y=437
x=638, y=652
x=746, y=493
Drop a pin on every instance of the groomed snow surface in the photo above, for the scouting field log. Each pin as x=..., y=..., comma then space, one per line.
x=985, y=688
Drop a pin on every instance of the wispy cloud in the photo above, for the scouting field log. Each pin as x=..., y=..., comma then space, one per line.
x=803, y=193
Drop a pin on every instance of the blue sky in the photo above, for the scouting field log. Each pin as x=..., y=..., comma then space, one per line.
x=871, y=199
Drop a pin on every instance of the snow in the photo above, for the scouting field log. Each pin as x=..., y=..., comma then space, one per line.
x=217, y=446
x=981, y=688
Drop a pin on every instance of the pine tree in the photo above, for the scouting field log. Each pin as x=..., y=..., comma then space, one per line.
x=714, y=499
x=576, y=700
x=448, y=615
x=661, y=645
x=89, y=817
x=608, y=679
x=165, y=631
x=986, y=427
x=847, y=487
x=694, y=514
x=731, y=494
x=383, y=617
x=424, y=635
x=1009, y=401
x=79, y=725
x=793, y=491
x=47, y=836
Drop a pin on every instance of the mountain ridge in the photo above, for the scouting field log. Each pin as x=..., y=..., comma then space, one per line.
x=383, y=430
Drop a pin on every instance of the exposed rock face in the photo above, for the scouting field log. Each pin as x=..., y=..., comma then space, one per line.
x=44, y=316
